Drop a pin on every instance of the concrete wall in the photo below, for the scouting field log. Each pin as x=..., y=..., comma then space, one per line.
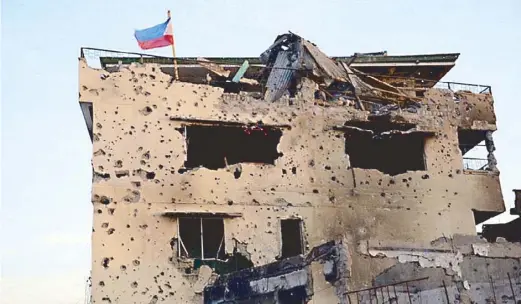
x=134, y=132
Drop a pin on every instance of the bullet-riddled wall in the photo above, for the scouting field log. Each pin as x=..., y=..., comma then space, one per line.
x=141, y=186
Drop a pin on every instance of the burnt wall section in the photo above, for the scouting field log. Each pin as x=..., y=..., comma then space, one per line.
x=139, y=161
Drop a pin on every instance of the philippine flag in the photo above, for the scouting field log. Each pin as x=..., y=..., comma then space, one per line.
x=155, y=37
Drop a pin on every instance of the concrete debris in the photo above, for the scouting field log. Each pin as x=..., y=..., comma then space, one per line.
x=289, y=280
x=213, y=67
x=291, y=60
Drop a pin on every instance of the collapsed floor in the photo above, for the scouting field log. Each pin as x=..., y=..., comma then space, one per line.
x=464, y=269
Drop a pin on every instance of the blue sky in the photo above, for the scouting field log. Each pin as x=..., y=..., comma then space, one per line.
x=46, y=151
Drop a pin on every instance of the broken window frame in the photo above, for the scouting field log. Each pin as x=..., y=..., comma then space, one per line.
x=347, y=129
x=276, y=130
x=300, y=232
x=181, y=247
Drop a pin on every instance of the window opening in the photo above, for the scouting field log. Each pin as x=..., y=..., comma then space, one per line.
x=477, y=149
x=291, y=232
x=389, y=152
x=215, y=147
x=201, y=238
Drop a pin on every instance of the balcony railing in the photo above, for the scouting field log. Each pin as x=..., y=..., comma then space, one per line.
x=459, y=86
x=474, y=163
x=94, y=55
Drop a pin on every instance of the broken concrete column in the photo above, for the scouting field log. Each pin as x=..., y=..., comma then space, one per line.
x=489, y=143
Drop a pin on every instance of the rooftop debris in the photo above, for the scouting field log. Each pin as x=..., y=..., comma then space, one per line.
x=291, y=58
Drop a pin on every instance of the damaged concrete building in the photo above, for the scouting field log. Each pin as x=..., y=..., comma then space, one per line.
x=293, y=177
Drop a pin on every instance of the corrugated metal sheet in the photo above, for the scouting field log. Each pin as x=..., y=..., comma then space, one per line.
x=281, y=75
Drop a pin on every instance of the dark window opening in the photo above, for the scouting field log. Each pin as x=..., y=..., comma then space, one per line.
x=391, y=153
x=216, y=147
x=296, y=295
x=473, y=149
x=201, y=238
x=291, y=233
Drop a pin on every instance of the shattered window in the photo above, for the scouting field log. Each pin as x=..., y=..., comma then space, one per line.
x=291, y=234
x=215, y=147
x=390, y=152
x=201, y=238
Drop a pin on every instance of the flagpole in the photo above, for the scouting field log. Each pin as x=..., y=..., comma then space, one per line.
x=173, y=48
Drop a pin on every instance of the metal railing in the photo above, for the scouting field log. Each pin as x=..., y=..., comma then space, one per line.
x=389, y=293
x=495, y=291
x=474, y=163
x=94, y=59
x=459, y=86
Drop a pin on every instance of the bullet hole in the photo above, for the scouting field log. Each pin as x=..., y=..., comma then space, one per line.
x=111, y=231
x=392, y=182
x=106, y=299
x=153, y=300
x=101, y=283
x=118, y=164
x=136, y=262
x=99, y=152
x=237, y=173
x=160, y=166
x=146, y=155
x=97, y=176
x=450, y=175
x=99, y=211
x=294, y=170
x=128, y=226
x=144, y=174
x=327, y=167
x=104, y=225
x=136, y=184
x=105, y=263
x=315, y=191
x=98, y=125
x=134, y=284
x=122, y=173
x=458, y=171
x=230, y=202
x=133, y=197
x=382, y=194
x=333, y=178
x=111, y=211
x=311, y=163
x=182, y=170
x=284, y=171
x=123, y=267
x=104, y=200
x=425, y=176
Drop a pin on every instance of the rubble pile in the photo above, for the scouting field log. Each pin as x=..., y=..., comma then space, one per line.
x=291, y=59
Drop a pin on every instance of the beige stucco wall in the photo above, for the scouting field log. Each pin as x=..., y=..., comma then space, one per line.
x=357, y=205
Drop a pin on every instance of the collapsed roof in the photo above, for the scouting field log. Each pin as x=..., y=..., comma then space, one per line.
x=391, y=81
